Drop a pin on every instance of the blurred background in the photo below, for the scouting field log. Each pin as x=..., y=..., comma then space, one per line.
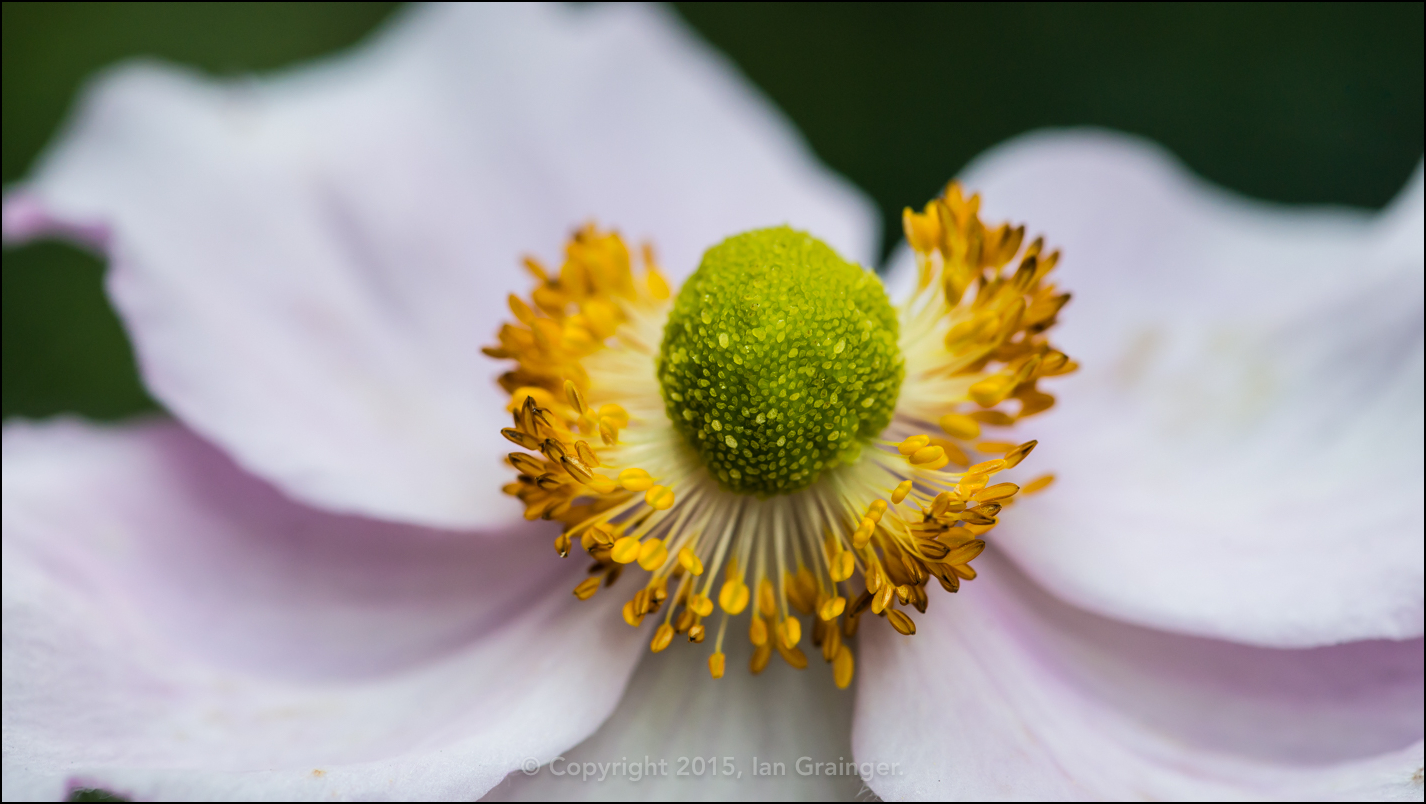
x=1295, y=103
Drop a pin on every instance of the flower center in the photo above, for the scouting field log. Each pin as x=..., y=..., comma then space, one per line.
x=779, y=360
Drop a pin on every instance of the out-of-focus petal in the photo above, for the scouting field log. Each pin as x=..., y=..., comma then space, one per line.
x=309, y=263
x=673, y=711
x=1006, y=693
x=174, y=628
x=1241, y=454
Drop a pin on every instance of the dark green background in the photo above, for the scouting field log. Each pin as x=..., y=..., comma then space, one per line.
x=1318, y=103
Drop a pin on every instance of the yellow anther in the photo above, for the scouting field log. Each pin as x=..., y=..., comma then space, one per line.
x=522, y=439
x=882, y=599
x=626, y=550
x=662, y=637
x=842, y=566
x=767, y=601
x=988, y=467
x=576, y=399
x=875, y=511
x=790, y=631
x=900, y=622
x=992, y=390
x=792, y=656
x=832, y=608
x=586, y=454
x=632, y=615
x=689, y=561
x=970, y=484
x=761, y=656
x=615, y=415
x=942, y=503
x=733, y=597
x=842, y=667
x=602, y=316
x=700, y=605
x=635, y=479
x=872, y=576
x=602, y=483
x=658, y=286
x=696, y=633
x=587, y=587
x=600, y=535
x=913, y=443
x=959, y=425
x=926, y=456
x=902, y=489
x=576, y=469
x=521, y=310
x=806, y=589
x=1038, y=484
x=831, y=639
x=716, y=664
x=608, y=433
x=1000, y=491
x=652, y=554
x=994, y=447
x=904, y=594
x=863, y=533
x=757, y=631
x=526, y=464
x=562, y=543
x=964, y=553
x=660, y=498
x=994, y=418
x=1015, y=456
x=535, y=268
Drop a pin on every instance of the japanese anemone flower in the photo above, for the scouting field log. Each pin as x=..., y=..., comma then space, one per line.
x=310, y=585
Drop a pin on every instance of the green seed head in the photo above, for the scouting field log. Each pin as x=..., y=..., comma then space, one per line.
x=778, y=360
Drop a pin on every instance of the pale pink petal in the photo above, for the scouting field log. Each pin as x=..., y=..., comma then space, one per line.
x=174, y=628
x=674, y=713
x=1006, y=693
x=309, y=262
x=1241, y=454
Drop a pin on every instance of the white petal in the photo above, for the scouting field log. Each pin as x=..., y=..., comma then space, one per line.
x=674, y=713
x=1006, y=693
x=176, y=629
x=309, y=263
x=1241, y=455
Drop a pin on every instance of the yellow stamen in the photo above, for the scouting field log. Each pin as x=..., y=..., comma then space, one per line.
x=586, y=588
x=635, y=479
x=1038, y=484
x=599, y=455
x=690, y=562
x=626, y=550
x=662, y=637
x=734, y=597
x=660, y=498
x=842, y=667
x=958, y=425
x=652, y=554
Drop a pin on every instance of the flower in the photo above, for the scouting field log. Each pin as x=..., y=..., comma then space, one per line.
x=312, y=586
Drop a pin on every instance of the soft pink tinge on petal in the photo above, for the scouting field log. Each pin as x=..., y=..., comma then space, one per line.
x=1241, y=454
x=1007, y=693
x=174, y=628
x=677, y=717
x=309, y=263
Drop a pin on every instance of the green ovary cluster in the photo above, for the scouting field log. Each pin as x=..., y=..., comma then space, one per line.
x=778, y=360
